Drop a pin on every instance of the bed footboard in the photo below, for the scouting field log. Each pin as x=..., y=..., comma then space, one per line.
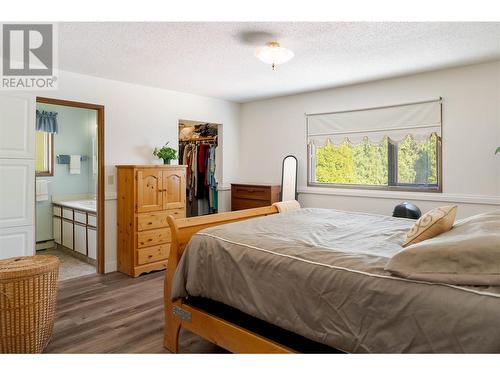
x=232, y=338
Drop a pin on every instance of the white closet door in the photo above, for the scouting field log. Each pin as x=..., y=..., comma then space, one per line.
x=17, y=174
x=17, y=192
x=16, y=241
x=17, y=126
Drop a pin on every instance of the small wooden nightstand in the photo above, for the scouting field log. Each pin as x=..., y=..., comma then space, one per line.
x=245, y=196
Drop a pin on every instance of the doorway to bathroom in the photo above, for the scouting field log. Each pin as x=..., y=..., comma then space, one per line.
x=69, y=187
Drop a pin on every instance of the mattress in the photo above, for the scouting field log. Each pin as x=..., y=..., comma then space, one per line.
x=320, y=273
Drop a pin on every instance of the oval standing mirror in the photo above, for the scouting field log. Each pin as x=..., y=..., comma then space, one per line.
x=289, y=178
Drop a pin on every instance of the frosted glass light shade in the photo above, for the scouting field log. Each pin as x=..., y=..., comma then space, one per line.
x=273, y=54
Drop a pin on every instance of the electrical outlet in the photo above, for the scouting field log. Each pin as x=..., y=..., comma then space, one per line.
x=111, y=179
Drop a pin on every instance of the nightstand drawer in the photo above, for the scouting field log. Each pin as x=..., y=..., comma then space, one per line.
x=152, y=254
x=244, y=204
x=153, y=237
x=251, y=192
x=244, y=196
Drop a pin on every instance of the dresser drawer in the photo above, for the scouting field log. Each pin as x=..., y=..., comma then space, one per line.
x=178, y=213
x=67, y=213
x=91, y=220
x=153, y=237
x=155, y=220
x=149, y=221
x=81, y=217
x=243, y=204
x=153, y=254
x=57, y=211
x=251, y=192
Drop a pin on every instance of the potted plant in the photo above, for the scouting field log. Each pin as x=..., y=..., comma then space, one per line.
x=166, y=153
x=498, y=150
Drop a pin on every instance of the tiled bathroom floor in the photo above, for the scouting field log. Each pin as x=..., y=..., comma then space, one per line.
x=70, y=267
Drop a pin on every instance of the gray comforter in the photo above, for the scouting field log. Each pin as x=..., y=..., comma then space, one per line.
x=320, y=273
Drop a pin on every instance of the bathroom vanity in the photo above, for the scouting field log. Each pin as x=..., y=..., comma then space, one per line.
x=75, y=226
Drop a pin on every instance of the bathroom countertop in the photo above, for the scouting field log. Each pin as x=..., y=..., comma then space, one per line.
x=88, y=205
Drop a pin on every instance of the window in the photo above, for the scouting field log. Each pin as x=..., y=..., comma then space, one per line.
x=44, y=154
x=396, y=147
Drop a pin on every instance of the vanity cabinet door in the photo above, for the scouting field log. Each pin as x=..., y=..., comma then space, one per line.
x=81, y=239
x=56, y=221
x=67, y=234
x=92, y=243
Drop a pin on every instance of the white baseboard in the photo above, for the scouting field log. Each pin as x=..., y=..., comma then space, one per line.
x=110, y=266
x=44, y=245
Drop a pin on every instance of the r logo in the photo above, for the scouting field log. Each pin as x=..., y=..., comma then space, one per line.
x=27, y=50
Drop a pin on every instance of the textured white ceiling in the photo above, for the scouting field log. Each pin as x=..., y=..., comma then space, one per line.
x=217, y=59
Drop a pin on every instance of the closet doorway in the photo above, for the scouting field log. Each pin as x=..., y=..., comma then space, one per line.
x=199, y=150
x=70, y=195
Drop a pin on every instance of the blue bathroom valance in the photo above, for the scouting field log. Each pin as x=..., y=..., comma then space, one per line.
x=46, y=121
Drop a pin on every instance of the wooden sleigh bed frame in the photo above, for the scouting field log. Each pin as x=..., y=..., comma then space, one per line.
x=180, y=313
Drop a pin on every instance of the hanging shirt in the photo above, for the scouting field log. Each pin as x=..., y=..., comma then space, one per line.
x=201, y=158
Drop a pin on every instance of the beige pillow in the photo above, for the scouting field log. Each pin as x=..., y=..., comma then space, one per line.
x=287, y=206
x=432, y=223
x=468, y=254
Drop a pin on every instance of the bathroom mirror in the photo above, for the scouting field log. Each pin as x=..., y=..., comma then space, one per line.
x=289, y=178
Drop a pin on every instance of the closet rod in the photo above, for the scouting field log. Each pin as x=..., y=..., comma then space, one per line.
x=201, y=139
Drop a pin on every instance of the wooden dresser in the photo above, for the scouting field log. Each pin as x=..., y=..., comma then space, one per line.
x=147, y=194
x=245, y=196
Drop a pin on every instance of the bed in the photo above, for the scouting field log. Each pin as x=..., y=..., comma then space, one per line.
x=318, y=273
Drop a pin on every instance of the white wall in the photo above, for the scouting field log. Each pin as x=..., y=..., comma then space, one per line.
x=256, y=136
x=138, y=118
x=274, y=128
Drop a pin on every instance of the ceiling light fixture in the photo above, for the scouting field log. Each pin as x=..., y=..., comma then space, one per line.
x=273, y=54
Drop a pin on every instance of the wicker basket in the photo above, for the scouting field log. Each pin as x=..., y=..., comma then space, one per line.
x=28, y=292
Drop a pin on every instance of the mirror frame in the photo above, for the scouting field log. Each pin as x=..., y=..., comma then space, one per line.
x=282, y=174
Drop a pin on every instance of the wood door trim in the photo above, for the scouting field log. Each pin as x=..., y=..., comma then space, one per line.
x=100, y=168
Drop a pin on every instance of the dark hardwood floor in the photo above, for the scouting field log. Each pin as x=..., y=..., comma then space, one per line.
x=114, y=313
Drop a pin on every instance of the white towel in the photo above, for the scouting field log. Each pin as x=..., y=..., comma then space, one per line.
x=74, y=164
x=42, y=191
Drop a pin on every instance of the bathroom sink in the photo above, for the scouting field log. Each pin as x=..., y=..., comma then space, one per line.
x=82, y=204
x=87, y=204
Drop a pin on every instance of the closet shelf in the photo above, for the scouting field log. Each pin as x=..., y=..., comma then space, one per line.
x=200, y=139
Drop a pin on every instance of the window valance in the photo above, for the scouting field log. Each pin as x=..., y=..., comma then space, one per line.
x=46, y=121
x=419, y=120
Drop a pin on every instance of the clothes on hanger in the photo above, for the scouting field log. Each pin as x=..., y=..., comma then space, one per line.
x=201, y=184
